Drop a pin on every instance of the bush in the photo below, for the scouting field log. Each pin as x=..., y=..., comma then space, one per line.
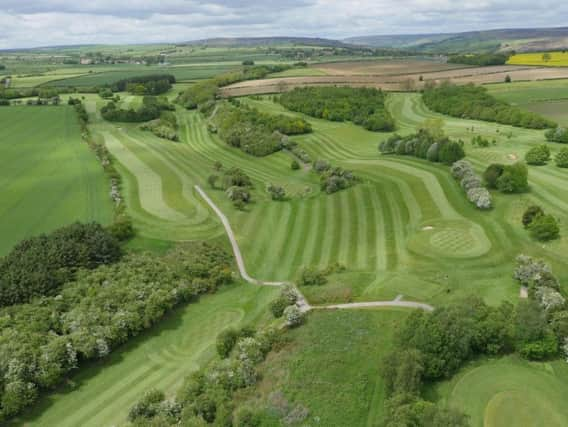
x=246, y=417
x=278, y=306
x=530, y=214
x=293, y=315
x=122, y=229
x=311, y=277
x=538, y=155
x=480, y=197
x=544, y=228
x=559, y=134
x=276, y=192
x=148, y=406
x=492, y=174
x=226, y=341
x=460, y=168
x=294, y=165
x=514, y=179
x=561, y=158
x=542, y=349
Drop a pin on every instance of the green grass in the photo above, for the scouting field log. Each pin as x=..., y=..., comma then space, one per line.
x=331, y=366
x=509, y=391
x=48, y=176
x=378, y=229
x=300, y=72
x=101, y=394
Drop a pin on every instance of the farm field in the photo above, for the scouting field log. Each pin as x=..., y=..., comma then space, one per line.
x=557, y=59
x=48, y=176
x=386, y=67
x=404, y=75
x=102, y=393
x=509, y=391
x=404, y=229
x=322, y=369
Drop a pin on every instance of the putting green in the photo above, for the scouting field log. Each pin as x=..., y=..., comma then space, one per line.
x=510, y=392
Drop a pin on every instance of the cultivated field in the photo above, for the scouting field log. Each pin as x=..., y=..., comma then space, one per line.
x=102, y=393
x=48, y=175
x=556, y=59
x=510, y=391
x=399, y=78
x=385, y=67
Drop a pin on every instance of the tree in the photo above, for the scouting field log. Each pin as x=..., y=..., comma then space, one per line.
x=293, y=315
x=212, y=180
x=294, y=165
x=402, y=372
x=530, y=214
x=507, y=78
x=538, y=155
x=544, y=228
x=278, y=306
x=492, y=174
x=276, y=192
x=514, y=179
x=226, y=341
x=434, y=127
x=561, y=158
x=546, y=57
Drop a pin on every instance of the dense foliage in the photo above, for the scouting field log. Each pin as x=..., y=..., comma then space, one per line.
x=561, y=158
x=42, y=341
x=463, y=171
x=333, y=178
x=425, y=145
x=145, y=85
x=165, y=127
x=507, y=178
x=255, y=132
x=481, y=59
x=151, y=109
x=538, y=155
x=40, y=265
x=559, y=134
x=474, y=102
x=362, y=106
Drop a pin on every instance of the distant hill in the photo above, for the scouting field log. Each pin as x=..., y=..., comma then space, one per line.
x=520, y=40
x=268, y=41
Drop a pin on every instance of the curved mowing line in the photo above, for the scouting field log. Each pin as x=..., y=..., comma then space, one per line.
x=302, y=302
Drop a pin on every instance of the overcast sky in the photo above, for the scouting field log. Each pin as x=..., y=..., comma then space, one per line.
x=29, y=23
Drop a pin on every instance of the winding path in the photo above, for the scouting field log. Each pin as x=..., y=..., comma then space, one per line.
x=302, y=302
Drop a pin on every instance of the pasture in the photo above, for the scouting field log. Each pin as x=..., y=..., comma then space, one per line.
x=48, y=176
x=101, y=394
x=509, y=391
x=554, y=59
x=322, y=369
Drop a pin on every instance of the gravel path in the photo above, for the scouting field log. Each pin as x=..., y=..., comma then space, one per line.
x=302, y=302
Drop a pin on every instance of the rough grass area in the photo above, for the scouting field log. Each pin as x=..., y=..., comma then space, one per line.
x=48, y=176
x=102, y=394
x=331, y=366
x=511, y=392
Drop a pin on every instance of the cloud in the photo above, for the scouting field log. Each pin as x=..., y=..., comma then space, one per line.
x=28, y=23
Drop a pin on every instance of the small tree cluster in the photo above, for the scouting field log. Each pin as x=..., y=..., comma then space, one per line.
x=471, y=184
x=237, y=185
x=312, y=277
x=542, y=227
x=538, y=155
x=288, y=296
x=561, y=158
x=276, y=192
x=481, y=142
x=333, y=179
x=558, y=134
x=507, y=178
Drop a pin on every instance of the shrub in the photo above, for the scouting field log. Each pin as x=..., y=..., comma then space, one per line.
x=246, y=417
x=530, y=214
x=542, y=349
x=293, y=315
x=480, y=197
x=294, y=165
x=461, y=168
x=148, y=406
x=276, y=192
x=278, y=306
x=559, y=134
x=470, y=181
x=451, y=152
x=311, y=277
x=433, y=152
x=122, y=229
x=538, y=155
x=561, y=158
x=492, y=174
x=544, y=228
x=226, y=341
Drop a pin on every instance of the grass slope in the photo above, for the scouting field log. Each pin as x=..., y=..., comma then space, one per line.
x=331, y=366
x=510, y=391
x=102, y=394
x=48, y=175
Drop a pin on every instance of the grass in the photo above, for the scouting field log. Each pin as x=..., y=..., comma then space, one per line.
x=509, y=391
x=331, y=366
x=102, y=393
x=48, y=176
x=377, y=229
x=557, y=59
x=300, y=72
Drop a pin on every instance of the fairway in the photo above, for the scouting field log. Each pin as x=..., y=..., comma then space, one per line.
x=101, y=394
x=48, y=176
x=512, y=392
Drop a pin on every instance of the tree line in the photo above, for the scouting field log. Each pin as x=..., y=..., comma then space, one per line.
x=362, y=106
x=151, y=109
x=479, y=59
x=94, y=311
x=474, y=102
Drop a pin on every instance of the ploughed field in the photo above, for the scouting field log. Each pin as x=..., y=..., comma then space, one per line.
x=48, y=175
x=406, y=228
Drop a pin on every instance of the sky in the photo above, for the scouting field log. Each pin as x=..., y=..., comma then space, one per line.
x=31, y=23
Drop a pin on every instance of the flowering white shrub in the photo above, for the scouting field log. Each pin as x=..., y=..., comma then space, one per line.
x=293, y=316
x=480, y=197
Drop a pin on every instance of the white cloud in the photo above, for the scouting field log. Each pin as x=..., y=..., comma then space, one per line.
x=27, y=23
